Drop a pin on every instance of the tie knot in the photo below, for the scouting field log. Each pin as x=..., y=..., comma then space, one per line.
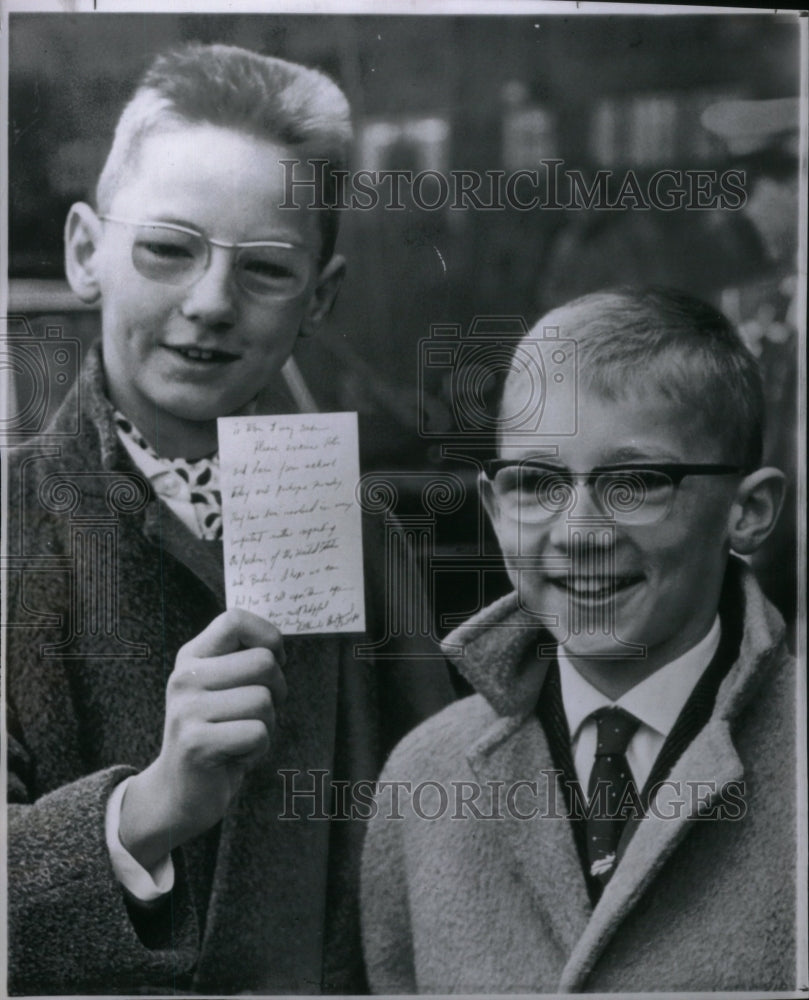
x=615, y=728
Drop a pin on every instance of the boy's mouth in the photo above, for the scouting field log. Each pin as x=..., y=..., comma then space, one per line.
x=203, y=355
x=593, y=588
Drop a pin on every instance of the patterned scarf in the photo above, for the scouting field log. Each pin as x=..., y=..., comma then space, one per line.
x=201, y=476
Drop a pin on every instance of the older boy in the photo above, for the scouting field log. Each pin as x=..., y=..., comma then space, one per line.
x=615, y=809
x=146, y=851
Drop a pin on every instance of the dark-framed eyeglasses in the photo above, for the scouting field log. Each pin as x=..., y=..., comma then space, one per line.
x=179, y=255
x=532, y=492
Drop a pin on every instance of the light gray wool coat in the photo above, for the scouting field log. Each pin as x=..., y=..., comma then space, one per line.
x=458, y=904
x=259, y=904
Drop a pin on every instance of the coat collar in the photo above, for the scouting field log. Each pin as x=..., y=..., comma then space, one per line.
x=495, y=656
x=493, y=650
x=99, y=436
x=97, y=431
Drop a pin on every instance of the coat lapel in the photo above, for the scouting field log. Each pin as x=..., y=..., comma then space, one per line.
x=711, y=757
x=515, y=752
x=203, y=558
x=499, y=655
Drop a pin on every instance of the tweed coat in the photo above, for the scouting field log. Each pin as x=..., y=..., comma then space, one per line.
x=455, y=901
x=105, y=585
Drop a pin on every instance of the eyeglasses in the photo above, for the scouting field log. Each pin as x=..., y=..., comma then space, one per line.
x=533, y=493
x=180, y=255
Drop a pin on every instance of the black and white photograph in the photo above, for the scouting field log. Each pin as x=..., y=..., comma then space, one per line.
x=403, y=548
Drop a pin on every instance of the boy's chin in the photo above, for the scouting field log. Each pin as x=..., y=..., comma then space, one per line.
x=200, y=411
x=597, y=647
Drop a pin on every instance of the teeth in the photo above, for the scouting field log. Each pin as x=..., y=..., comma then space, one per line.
x=196, y=354
x=591, y=588
x=595, y=588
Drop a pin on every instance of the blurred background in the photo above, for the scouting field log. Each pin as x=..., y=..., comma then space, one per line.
x=449, y=93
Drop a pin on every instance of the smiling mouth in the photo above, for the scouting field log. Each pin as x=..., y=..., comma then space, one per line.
x=203, y=355
x=594, y=588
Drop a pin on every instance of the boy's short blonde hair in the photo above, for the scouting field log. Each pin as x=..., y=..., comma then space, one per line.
x=635, y=341
x=231, y=87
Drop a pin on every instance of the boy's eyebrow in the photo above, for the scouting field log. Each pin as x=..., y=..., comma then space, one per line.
x=630, y=453
x=622, y=455
x=619, y=456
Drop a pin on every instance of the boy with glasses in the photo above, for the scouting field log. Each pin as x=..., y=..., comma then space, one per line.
x=614, y=810
x=146, y=851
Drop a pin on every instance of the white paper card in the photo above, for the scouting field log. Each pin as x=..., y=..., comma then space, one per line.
x=291, y=524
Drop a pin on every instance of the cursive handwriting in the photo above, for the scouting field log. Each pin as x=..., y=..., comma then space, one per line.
x=291, y=525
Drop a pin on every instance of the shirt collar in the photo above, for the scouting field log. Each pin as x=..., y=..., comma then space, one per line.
x=145, y=460
x=656, y=701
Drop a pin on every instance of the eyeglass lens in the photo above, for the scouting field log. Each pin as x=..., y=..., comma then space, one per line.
x=174, y=257
x=636, y=496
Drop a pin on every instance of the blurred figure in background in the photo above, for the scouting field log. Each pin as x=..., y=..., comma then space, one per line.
x=762, y=139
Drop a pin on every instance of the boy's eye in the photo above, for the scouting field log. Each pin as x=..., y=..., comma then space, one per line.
x=168, y=251
x=646, y=480
x=269, y=270
x=552, y=488
x=627, y=492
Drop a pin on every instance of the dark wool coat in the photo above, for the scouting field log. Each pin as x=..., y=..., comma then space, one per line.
x=105, y=585
x=467, y=903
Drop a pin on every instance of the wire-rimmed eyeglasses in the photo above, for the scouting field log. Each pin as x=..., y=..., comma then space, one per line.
x=178, y=255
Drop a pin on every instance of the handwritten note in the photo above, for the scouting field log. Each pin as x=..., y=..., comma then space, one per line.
x=291, y=524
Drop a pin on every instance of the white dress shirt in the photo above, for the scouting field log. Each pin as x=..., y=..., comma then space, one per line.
x=655, y=701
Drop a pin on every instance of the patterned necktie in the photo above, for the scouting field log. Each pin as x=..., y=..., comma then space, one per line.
x=606, y=789
x=201, y=475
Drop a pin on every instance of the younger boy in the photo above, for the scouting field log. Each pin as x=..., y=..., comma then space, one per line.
x=614, y=810
x=150, y=730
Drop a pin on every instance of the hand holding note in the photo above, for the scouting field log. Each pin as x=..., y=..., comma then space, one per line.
x=221, y=703
x=291, y=524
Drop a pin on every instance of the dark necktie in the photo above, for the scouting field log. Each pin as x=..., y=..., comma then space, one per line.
x=607, y=789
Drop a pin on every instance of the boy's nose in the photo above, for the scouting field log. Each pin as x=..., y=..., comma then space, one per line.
x=211, y=299
x=585, y=513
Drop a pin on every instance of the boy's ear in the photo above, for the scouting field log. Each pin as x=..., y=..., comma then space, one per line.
x=324, y=295
x=82, y=235
x=755, y=509
x=488, y=498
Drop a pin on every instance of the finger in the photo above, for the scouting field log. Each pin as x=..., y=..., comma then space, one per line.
x=234, y=670
x=242, y=740
x=239, y=704
x=234, y=630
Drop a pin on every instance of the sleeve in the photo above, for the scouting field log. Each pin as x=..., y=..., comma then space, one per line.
x=144, y=886
x=387, y=936
x=71, y=927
